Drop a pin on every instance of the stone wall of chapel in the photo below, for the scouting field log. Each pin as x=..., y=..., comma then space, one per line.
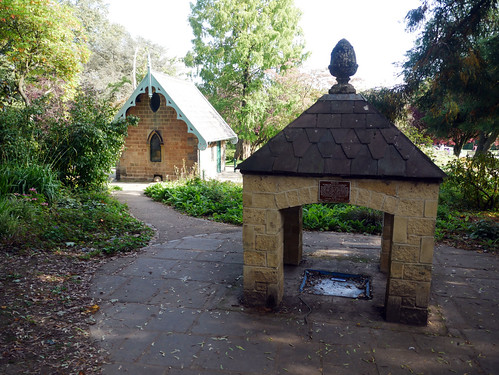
x=179, y=148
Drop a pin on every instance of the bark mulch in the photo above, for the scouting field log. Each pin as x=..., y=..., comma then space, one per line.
x=46, y=312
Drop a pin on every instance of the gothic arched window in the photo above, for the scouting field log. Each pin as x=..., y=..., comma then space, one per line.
x=155, y=143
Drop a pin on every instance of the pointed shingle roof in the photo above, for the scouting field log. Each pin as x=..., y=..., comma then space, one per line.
x=342, y=135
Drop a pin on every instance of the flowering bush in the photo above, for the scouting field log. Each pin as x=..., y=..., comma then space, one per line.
x=32, y=197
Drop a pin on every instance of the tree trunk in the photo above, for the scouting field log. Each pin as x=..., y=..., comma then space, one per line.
x=20, y=89
x=243, y=149
x=458, y=146
x=485, y=141
x=460, y=138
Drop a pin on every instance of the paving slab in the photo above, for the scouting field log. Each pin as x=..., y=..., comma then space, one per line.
x=174, y=308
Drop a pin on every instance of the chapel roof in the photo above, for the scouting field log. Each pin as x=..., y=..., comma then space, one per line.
x=190, y=105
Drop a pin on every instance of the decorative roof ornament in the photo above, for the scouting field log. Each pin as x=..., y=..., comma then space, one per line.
x=343, y=66
x=149, y=74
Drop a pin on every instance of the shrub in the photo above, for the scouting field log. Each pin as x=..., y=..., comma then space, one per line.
x=221, y=201
x=20, y=134
x=342, y=218
x=320, y=217
x=79, y=140
x=460, y=228
x=472, y=183
x=84, y=148
x=485, y=230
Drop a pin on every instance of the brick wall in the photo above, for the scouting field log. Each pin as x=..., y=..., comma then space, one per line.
x=179, y=147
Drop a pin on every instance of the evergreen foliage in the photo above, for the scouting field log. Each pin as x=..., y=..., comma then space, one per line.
x=473, y=183
x=391, y=102
x=221, y=201
x=452, y=71
x=80, y=144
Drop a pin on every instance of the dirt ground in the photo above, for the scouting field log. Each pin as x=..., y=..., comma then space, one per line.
x=45, y=314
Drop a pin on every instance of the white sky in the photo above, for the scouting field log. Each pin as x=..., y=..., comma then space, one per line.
x=375, y=28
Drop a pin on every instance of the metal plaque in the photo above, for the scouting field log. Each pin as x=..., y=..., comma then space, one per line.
x=334, y=191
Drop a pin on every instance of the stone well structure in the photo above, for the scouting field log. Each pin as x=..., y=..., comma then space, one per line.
x=341, y=149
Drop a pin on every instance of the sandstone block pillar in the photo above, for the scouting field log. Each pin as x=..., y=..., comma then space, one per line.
x=411, y=255
x=386, y=243
x=293, y=235
x=263, y=238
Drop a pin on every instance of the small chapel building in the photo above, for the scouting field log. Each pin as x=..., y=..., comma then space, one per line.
x=178, y=132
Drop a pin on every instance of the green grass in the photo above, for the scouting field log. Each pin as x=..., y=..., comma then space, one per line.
x=86, y=223
x=17, y=178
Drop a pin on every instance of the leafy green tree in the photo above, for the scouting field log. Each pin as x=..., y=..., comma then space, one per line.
x=281, y=102
x=391, y=102
x=452, y=71
x=236, y=46
x=41, y=38
x=109, y=70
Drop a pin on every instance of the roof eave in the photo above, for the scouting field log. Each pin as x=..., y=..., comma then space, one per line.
x=438, y=180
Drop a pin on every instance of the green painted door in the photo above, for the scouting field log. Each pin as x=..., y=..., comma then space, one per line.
x=219, y=157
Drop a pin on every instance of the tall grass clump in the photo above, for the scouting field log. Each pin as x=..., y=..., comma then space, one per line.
x=9, y=219
x=21, y=215
x=17, y=178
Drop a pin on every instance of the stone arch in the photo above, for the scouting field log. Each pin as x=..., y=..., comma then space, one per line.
x=273, y=220
x=343, y=137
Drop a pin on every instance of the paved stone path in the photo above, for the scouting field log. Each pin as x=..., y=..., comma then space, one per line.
x=174, y=309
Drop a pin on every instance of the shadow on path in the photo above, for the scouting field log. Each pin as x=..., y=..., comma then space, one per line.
x=174, y=308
